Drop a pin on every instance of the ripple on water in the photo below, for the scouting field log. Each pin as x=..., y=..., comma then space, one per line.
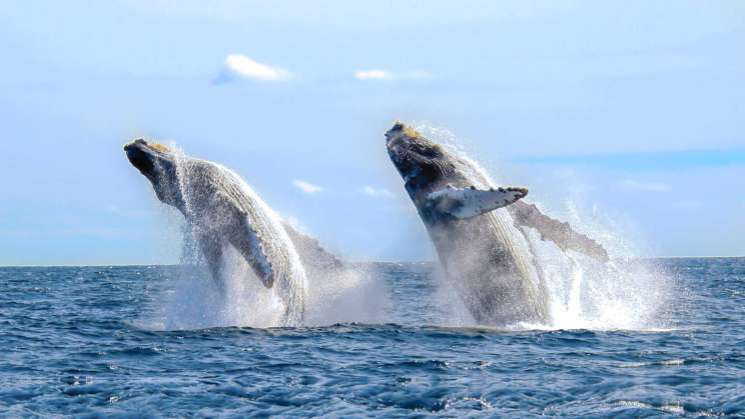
x=72, y=345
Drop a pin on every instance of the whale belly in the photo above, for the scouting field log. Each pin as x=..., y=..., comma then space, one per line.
x=489, y=262
x=227, y=211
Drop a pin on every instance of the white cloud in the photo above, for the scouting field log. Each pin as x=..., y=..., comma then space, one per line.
x=307, y=187
x=372, y=75
x=646, y=186
x=243, y=66
x=377, y=74
x=376, y=192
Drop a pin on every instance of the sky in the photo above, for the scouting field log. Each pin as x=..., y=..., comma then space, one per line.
x=625, y=117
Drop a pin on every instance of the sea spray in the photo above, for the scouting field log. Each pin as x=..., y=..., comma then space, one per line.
x=450, y=310
x=355, y=294
x=211, y=199
x=582, y=292
x=195, y=300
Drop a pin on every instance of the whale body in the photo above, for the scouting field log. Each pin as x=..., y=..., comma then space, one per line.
x=478, y=230
x=224, y=211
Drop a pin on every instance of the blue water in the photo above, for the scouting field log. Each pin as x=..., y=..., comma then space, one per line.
x=72, y=343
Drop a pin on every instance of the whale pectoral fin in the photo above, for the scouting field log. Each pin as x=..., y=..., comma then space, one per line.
x=250, y=245
x=465, y=203
x=212, y=251
x=310, y=250
x=560, y=233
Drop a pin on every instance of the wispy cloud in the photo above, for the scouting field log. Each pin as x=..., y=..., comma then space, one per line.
x=654, y=160
x=372, y=75
x=378, y=74
x=376, y=192
x=241, y=66
x=307, y=187
x=646, y=186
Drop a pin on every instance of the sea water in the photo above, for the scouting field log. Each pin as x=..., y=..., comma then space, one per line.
x=108, y=340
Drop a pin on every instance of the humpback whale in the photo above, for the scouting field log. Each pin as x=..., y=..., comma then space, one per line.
x=478, y=230
x=224, y=211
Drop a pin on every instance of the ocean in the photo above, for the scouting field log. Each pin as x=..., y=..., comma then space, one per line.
x=123, y=341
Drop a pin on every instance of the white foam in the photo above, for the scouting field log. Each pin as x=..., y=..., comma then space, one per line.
x=348, y=295
x=193, y=300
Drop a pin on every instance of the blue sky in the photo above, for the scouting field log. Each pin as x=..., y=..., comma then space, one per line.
x=629, y=113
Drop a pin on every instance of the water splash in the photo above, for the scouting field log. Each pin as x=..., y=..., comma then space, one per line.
x=238, y=297
x=194, y=300
x=584, y=293
x=353, y=294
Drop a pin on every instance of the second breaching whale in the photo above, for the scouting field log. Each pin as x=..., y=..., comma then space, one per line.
x=478, y=230
x=224, y=211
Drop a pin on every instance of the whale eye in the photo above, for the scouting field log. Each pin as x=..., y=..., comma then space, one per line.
x=160, y=147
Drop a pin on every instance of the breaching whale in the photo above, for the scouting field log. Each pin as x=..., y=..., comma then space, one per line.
x=478, y=230
x=224, y=211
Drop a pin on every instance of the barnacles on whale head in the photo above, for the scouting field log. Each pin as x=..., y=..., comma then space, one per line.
x=160, y=147
x=406, y=130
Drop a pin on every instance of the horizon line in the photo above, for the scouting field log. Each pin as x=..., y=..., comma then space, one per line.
x=124, y=265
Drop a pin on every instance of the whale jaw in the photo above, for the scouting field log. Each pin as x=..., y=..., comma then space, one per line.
x=141, y=157
x=158, y=164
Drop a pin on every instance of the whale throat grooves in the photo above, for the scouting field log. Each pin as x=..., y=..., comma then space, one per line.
x=235, y=226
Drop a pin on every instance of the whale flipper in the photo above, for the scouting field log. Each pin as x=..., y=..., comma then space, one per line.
x=313, y=254
x=246, y=239
x=529, y=215
x=465, y=203
x=212, y=251
x=250, y=245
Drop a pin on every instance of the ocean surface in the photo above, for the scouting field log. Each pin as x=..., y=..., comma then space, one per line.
x=108, y=341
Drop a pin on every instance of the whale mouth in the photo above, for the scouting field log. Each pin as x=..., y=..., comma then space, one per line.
x=143, y=155
x=405, y=144
x=397, y=142
x=142, y=145
x=399, y=134
x=403, y=139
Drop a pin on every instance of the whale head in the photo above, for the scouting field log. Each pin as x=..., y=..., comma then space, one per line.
x=424, y=165
x=443, y=185
x=158, y=164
